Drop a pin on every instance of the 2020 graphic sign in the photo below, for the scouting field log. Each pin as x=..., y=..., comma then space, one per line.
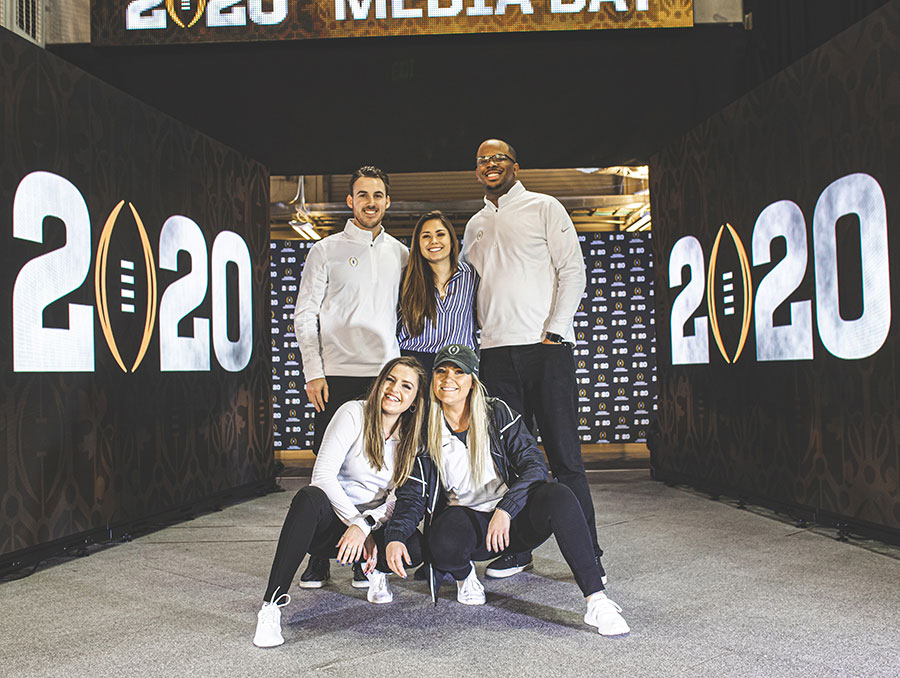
x=50, y=277
x=733, y=308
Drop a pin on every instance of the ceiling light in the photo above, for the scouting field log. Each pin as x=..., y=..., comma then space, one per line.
x=639, y=223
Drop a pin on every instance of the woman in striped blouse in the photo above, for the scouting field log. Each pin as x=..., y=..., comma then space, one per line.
x=437, y=295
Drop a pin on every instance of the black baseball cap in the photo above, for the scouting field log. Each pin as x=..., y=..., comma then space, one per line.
x=460, y=355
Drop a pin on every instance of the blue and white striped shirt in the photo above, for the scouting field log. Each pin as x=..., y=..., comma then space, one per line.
x=455, y=316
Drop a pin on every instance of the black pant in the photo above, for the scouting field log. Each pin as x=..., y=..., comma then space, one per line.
x=340, y=391
x=425, y=359
x=458, y=535
x=538, y=381
x=311, y=526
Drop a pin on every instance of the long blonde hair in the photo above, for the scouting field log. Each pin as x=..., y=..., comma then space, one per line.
x=410, y=423
x=478, y=440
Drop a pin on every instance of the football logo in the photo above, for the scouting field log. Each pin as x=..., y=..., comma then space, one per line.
x=730, y=299
x=126, y=284
x=185, y=6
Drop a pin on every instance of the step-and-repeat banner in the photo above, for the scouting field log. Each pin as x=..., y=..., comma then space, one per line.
x=615, y=357
x=134, y=365
x=776, y=283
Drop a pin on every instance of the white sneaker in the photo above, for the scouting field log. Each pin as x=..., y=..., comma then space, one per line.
x=379, y=591
x=470, y=591
x=268, y=622
x=604, y=614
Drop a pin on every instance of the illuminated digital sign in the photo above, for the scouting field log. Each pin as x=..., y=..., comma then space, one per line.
x=180, y=21
x=50, y=277
x=729, y=288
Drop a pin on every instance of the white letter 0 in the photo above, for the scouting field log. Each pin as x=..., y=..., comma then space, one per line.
x=856, y=194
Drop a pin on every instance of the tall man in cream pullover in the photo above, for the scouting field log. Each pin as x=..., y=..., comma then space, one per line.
x=525, y=249
x=345, y=319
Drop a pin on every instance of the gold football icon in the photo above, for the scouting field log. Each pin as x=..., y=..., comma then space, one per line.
x=729, y=291
x=126, y=280
x=185, y=6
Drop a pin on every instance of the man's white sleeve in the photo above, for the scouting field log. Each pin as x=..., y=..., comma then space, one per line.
x=340, y=436
x=404, y=256
x=313, y=283
x=467, y=243
x=566, y=257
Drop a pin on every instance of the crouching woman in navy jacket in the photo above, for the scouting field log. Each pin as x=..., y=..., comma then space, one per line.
x=482, y=488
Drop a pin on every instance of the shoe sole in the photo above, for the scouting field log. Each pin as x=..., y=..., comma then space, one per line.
x=473, y=602
x=266, y=646
x=614, y=635
x=381, y=602
x=609, y=635
x=508, y=572
x=360, y=584
x=311, y=584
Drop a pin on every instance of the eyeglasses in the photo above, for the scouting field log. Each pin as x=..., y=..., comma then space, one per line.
x=497, y=158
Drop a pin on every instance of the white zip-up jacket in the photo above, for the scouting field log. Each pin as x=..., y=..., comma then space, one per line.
x=342, y=471
x=345, y=319
x=532, y=270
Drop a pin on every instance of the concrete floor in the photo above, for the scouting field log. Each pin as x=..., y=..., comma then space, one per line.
x=708, y=589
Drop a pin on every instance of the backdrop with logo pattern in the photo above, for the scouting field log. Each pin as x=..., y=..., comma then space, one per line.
x=615, y=357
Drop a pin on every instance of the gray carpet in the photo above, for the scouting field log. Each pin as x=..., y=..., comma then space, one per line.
x=708, y=589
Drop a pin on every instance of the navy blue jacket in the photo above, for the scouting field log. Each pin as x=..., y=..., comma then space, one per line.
x=516, y=457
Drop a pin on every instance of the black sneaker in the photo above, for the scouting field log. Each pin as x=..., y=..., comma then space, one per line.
x=508, y=565
x=602, y=571
x=360, y=580
x=422, y=573
x=317, y=572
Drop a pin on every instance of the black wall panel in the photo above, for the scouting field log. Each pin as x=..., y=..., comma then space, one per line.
x=100, y=425
x=773, y=219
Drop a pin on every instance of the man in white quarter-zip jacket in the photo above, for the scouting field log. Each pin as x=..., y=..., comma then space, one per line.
x=345, y=318
x=524, y=247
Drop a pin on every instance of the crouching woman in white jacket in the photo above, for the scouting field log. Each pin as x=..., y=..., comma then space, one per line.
x=341, y=511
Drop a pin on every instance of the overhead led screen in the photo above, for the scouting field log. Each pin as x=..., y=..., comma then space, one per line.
x=141, y=22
